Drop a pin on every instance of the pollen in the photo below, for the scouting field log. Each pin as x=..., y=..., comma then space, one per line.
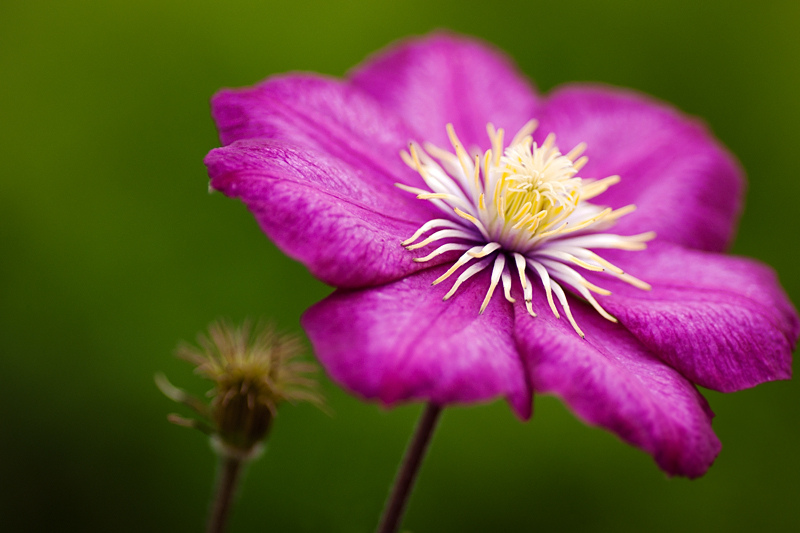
x=524, y=211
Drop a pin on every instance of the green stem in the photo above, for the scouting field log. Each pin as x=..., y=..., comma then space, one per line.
x=404, y=482
x=229, y=472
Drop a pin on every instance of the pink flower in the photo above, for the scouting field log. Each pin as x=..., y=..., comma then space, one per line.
x=318, y=162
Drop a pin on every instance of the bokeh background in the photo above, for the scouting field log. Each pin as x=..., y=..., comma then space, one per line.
x=112, y=251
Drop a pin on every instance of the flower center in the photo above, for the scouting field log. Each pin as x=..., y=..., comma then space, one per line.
x=523, y=203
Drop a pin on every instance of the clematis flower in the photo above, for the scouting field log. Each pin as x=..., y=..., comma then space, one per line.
x=580, y=258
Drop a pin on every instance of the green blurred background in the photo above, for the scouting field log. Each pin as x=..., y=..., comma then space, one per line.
x=113, y=251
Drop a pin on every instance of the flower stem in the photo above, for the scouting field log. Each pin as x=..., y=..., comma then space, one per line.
x=404, y=482
x=227, y=480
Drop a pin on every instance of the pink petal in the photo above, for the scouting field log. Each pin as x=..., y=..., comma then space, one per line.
x=687, y=187
x=322, y=114
x=345, y=227
x=610, y=380
x=724, y=322
x=401, y=342
x=444, y=78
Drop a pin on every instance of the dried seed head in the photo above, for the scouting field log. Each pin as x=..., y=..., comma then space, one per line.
x=254, y=369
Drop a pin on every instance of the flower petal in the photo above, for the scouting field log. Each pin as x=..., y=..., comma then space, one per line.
x=443, y=79
x=322, y=114
x=724, y=322
x=345, y=227
x=401, y=342
x=610, y=380
x=687, y=187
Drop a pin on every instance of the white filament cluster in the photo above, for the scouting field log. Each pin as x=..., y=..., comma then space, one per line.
x=523, y=211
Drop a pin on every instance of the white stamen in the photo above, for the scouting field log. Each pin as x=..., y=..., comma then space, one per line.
x=526, y=200
x=442, y=234
x=639, y=284
x=562, y=298
x=475, y=221
x=506, y=277
x=564, y=256
x=579, y=283
x=545, y=277
x=486, y=250
x=468, y=273
x=520, y=261
x=526, y=130
x=497, y=270
x=606, y=240
x=528, y=293
x=449, y=247
x=435, y=223
x=464, y=259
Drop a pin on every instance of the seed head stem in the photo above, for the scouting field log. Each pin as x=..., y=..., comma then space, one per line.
x=230, y=470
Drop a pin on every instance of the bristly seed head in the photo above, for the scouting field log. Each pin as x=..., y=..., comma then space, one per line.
x=253, y=369
x=521, y=209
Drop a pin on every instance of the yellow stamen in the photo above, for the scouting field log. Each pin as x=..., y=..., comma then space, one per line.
x=527, y=200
